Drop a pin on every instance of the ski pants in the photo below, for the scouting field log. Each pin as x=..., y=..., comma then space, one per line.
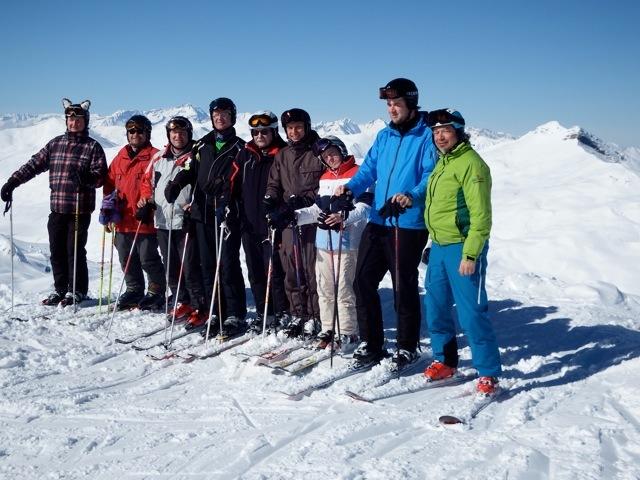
x=258, y=252
x=231, y=281
x=298, y=256
x=445, y=286
x=191, y=290
x=144, y=258
x=376, y=257
x=61, y=228
x=326, y=265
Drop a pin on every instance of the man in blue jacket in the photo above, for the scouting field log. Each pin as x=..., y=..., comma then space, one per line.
x=398, y=164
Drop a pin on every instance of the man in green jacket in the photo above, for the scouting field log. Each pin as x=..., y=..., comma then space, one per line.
x=458, y=216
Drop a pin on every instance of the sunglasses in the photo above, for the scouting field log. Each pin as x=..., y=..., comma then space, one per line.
x=260, y=121
x=261, y=131
x=133, y=131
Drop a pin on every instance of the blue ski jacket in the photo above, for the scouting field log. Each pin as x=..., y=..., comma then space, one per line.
x=398, y=163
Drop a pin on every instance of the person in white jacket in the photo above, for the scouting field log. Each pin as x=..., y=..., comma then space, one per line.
x=341, y=221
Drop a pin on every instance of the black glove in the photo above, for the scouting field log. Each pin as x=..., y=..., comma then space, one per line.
x=391, y=209
x=342, y=204
x=145, y=213
x=296, y=202
x=172, y=191
x=186, y=220
x=7, y=189
x=82, y=177
x=270, y=204
x=322, y=218
x=214, y=186
x=221, y=213
x=282, y=218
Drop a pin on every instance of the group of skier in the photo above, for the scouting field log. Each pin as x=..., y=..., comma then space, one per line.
x=319, y=233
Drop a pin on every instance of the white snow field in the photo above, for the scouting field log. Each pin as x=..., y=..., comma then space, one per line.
x=565, y=302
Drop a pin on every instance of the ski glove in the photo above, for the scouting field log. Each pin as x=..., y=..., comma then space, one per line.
x=82, y=177
x=322, y=218
x=342, y=204
x=391, y=209
x=109, y=212
x=214, y=186
x=7, y=189
x=282, y=218
x=172, y=191
x=296, y=202
x=145, y=213
x=270, y=204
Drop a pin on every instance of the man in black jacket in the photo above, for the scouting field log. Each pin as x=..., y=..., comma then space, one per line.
x=211, y=172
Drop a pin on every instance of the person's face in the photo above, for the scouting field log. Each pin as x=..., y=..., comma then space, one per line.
x=332, y=157
x=178, y=138
x=398, y=110
x=75, y=123
x=221, y=119
x=295, y=131
x=137, y=137
x=445, y=138
x=262, y=137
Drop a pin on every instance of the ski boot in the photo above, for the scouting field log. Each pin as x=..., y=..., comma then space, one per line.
x=129, y=300
x=152, y=301
x=402, y=359
x=68, y=299
x=53, y=299
x=438, y=371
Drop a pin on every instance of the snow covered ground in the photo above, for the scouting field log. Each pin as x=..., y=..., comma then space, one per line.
x=565, y=291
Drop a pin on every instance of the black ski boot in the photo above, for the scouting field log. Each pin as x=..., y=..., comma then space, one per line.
x=68, y=299
x=364, y=356
x=129, y=300
x=233, y=326
x=152, y=301
x=294, y=329
x=53, y=299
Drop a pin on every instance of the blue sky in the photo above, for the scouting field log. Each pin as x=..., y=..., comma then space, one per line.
x=507, y=66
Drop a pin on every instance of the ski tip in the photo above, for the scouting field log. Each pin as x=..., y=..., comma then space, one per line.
x=356, y=396
x=450, y=420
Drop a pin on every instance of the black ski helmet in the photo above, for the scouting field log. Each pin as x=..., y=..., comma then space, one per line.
x=77, y=110
x=329, y=141
x=223, y=103
x=181, y=123
x=296, y=115
x=401, y=88
x=139, y=121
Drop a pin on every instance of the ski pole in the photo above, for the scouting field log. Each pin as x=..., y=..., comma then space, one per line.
x=396, y=232
x=75, y=249
x=168, y=266
x=336, y=288
x=175, y=300
x=215, y=206
x=8, y=207
x=113, y=239
x=215, y=285
x=104, y=235
x=272, y=240
x=126, y=269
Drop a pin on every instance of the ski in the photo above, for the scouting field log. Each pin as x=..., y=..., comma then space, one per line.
x=140, y=336
x=279, y=353
x=292, y=357
x=416, y=386
x=224, y=345
x=305, y=363
x=175, y=352
x=478, y=405
x=163, y=343
x=333, y=376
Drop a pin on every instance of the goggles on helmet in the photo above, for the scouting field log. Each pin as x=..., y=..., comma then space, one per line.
x=260, y=121
x=75, y=111
x=390, y=93
x=178, y=123
x=445, y=116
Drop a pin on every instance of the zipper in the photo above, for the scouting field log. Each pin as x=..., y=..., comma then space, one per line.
x=393, y=167
x=431, y=191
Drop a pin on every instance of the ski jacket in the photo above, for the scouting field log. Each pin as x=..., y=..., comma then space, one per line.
x=62, y=157
x=296, y=171
x=458, y=203
x=126, y=175
x=398, y=163
x=357, y=219
x=164, y=166
x=253, y=167
x=205, y=165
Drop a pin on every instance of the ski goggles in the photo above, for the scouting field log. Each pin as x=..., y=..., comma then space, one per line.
x=390, y=93
x=445, y=116
x=178, y=123
x=260, y=121
x=75, y=112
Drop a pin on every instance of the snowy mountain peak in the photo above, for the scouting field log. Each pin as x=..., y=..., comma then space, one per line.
x=344, y=126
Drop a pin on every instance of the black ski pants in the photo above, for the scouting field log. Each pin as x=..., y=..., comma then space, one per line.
x=257, y=252
x=144, y=258
x=376, y=257
x=298, y=256
x=234, y=299
x=61, y=228
x=191, y=290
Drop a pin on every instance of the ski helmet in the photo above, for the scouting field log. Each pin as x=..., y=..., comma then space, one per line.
x=329, y=141
x=445, y=116
x=77, y=110
x=223, y=103
x=139, y=121
x=263, y=119
x=401, y=88
x=179, y=123
x=296, y=115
